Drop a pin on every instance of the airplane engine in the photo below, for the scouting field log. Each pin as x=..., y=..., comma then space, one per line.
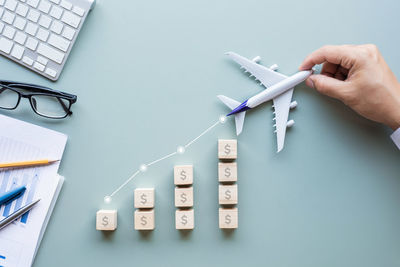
x=257, y=59
x=273, y=67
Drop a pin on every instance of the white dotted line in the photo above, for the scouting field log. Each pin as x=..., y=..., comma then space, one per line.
x=180, y=150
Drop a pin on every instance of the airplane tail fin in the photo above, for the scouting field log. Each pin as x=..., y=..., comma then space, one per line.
x=239, y=117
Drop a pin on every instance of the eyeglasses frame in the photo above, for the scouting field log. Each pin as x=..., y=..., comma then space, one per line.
x=36, y=91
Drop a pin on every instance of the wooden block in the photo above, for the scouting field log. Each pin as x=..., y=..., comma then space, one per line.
x=228, y=194
x=228, y=218
x=227, y=149
x=144, y=198
x=106, y=220
x=183, y=175
x=227, y=172
x=183, y=197
x=184, y=219
x=144, y=219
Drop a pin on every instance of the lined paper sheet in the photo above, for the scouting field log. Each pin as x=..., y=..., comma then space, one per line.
x=21, y=141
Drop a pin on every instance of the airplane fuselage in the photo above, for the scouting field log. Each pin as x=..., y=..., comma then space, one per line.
x=273, y=91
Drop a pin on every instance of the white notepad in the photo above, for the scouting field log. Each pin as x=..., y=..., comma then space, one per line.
x=21, y=141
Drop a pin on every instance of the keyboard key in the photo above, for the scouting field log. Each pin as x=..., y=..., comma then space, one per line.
x=20, y=23
x=50, y=53
x=33, y=15
x=1, y=26
x=45, y=21
x=56, y=26
x=66, y=4
x=68, y=33
x=9, y=32
x=20, y=38
x=79, y=11
x=42, y=34
x=11, y=5
x=38, y=66
x=44, y=6
x=42, y=60
x=55, y=1
x=22, y=10
x=27, y=60
x=51, y=72
x=8, y=17
x=17, y=51
x=56, y=12
x=33, y=3
x=71, y=19
x=5, y=45
x=59, y=42
x=31, y=29
x=31, y=43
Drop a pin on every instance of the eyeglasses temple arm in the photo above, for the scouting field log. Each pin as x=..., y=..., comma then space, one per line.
x=66, y=109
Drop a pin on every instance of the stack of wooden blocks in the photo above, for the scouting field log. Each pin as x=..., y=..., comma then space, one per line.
x=183, y=180
x=144, y=203
x=228, y=189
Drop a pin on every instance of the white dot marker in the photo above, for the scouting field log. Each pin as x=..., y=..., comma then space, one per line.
x=222, y=119
x=107, y=199
x=143, y=167
x=180, y=150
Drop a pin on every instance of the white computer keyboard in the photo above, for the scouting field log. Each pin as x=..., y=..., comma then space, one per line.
x=39, y=34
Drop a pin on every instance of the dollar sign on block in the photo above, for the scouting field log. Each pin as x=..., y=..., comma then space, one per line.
x=144, y=219
x=144, y=198
x=183, y=175
x=184, y=197
x=228, y=218
x=184, y=219
x=228, y=194
x=227, y=172
x=227, y=149
x=106, y=220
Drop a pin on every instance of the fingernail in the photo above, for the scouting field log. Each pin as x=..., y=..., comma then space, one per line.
x=310, y=82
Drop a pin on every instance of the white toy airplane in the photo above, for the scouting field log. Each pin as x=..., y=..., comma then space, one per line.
x=279, y=90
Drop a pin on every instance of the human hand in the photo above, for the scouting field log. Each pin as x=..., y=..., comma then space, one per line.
x=359, y=77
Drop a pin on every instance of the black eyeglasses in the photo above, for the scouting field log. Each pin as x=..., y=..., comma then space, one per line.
x=44, y=101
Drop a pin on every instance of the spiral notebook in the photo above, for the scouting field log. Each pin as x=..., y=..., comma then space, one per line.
x=20, y=141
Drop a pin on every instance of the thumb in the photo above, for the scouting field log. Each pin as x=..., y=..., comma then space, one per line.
x=326, y=85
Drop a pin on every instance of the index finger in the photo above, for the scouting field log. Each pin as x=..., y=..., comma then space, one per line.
x=342, y=55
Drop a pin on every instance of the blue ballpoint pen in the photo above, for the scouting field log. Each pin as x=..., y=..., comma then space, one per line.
x=12, y=194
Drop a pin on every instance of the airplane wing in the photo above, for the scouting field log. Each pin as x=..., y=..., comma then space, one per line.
x=265, y=75
x=282, y=106
x=269, y=77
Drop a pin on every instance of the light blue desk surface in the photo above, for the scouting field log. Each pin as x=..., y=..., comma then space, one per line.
x=147, y=74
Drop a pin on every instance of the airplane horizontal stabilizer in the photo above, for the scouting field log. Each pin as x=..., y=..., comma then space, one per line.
x=239, y=117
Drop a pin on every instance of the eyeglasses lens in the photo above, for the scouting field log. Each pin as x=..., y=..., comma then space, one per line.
x=50, y=106
x=8, y=98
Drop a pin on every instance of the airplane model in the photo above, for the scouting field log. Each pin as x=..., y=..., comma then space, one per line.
x=279, y=90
